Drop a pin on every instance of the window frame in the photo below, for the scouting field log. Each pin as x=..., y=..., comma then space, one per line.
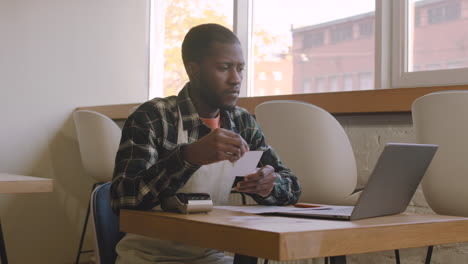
x=243, y=23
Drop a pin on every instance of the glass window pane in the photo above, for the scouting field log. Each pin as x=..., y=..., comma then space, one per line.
x=317, y=46
x=179, y=17
x=348, y=82
x=320, y=85
x=365, y=81
x=428, y=50
x=307, y=86
x=333, y=83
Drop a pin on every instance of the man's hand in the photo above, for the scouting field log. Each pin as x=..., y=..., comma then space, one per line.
x=220, y=144
x=261, y=182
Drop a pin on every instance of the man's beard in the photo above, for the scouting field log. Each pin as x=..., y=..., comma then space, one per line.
x=211, y=98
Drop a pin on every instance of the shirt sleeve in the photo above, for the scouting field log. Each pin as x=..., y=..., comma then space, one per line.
x=287, y=188
x=144, y=169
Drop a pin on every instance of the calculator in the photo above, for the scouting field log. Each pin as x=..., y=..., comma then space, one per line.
x=186, y=203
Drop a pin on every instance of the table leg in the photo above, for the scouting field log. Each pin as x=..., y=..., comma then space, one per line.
x=242, y=259
x=3, y=255
x=429, y=255
x=338, y=260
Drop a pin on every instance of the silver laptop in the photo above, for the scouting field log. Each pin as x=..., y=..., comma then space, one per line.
x=391, y=185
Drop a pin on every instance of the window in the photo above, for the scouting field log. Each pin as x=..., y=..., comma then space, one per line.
x=333, y=83
x=261, y=91
x=445, y=11
x=417, y=18
x=323, y=45
x=427, y=48
x=433, y=67
x=365, y=81
x=366, y=28
x=307, y=86
x=309, y=40
x=455, y=64
x=277, y=76
x=170, y=22
x=313, y=39
x=435, y=37
x=341, y=33
x=348, y=82
x=320, y=85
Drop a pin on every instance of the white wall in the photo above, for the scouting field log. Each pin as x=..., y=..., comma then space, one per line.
x=56, y=55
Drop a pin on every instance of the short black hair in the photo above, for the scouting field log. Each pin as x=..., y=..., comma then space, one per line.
x=198, y=41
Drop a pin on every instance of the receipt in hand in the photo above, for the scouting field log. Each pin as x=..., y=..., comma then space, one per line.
x=247, y=164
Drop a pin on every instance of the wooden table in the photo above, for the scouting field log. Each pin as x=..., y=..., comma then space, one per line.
x=11, y=183
x=285, y=238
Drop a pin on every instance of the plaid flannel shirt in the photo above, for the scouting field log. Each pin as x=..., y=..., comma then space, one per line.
x=149, y=163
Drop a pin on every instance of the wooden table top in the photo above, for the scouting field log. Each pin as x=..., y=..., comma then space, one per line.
x=285, y=238
x=11, y=183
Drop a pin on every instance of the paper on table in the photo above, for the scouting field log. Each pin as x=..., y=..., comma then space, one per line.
x=247, y=164
x=254, y=209
x=263, y=209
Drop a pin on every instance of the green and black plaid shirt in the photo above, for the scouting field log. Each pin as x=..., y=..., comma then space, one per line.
x=149, y=164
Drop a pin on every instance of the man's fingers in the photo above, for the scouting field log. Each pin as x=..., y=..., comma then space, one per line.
x=218, y=145
x=226, y=132
x=231, y=138
x=230, y=150
x=261, y=182
x=231, y=143
x=269, y=180
x=256, y=189
x=263, y=172
x=248, y=184
x=245, y=147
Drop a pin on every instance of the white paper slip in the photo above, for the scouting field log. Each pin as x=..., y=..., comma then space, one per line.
x=247, y=164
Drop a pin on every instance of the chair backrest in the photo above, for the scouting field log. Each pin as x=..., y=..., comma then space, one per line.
x=98, y=140
x=106, y=225
x=312, y=143
x=442, y=118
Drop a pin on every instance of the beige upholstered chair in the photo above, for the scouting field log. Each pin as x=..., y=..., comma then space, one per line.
x=442, y=118
x=98, y=140
x=315, y=146
x=311, y=142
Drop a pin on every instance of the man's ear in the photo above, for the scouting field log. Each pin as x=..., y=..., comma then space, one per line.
x=193, y=70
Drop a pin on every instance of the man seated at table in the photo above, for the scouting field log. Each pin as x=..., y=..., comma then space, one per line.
x=185, y=143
